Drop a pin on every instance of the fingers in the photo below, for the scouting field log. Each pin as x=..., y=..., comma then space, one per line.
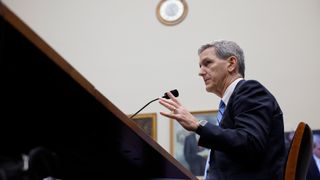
x=171, y=104
x=168, y=104
x=174, y=99
x=168, y=115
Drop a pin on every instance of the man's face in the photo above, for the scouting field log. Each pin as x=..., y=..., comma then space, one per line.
x=213, y=71
x=316, y=149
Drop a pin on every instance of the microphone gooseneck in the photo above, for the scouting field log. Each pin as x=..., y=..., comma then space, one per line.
x=143, y=107
x=174, y=92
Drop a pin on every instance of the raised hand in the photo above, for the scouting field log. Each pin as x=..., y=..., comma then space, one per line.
x=179, y=113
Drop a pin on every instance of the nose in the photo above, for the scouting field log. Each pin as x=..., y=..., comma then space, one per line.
x=202, y=71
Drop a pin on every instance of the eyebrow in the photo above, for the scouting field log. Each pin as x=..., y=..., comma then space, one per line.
x=204, y=61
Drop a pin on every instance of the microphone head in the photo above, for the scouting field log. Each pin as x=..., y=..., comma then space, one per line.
x=174, y=92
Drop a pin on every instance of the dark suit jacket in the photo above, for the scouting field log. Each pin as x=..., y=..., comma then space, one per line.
x=249, y=144
x=313, y=171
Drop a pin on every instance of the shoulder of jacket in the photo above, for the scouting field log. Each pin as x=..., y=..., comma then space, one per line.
x=247, y=83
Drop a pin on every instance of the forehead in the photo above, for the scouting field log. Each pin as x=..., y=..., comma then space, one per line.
x=208, y=53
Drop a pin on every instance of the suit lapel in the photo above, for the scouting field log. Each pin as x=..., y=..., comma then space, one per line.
x=227, y=108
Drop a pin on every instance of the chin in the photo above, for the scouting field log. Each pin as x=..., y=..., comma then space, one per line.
x=208, y=88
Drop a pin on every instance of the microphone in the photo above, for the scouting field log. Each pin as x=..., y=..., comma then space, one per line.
x=174, y=92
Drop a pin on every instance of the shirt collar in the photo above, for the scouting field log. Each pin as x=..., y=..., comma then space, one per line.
x=227, y=94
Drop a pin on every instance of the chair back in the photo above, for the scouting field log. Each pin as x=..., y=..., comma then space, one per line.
x=299, y=155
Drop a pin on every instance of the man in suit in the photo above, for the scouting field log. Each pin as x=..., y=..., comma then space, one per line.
x=191, y=152
x=248, y=144
x=314, y=166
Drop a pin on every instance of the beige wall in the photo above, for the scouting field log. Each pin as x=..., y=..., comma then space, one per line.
x=129, y=56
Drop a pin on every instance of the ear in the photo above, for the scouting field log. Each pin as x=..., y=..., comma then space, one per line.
x=232, y=63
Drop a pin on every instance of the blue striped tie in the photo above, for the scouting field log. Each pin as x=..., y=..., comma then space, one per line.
x=221, y=111
x=219, y=117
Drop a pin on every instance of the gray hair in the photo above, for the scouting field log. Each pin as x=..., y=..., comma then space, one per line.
x=224, y=49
